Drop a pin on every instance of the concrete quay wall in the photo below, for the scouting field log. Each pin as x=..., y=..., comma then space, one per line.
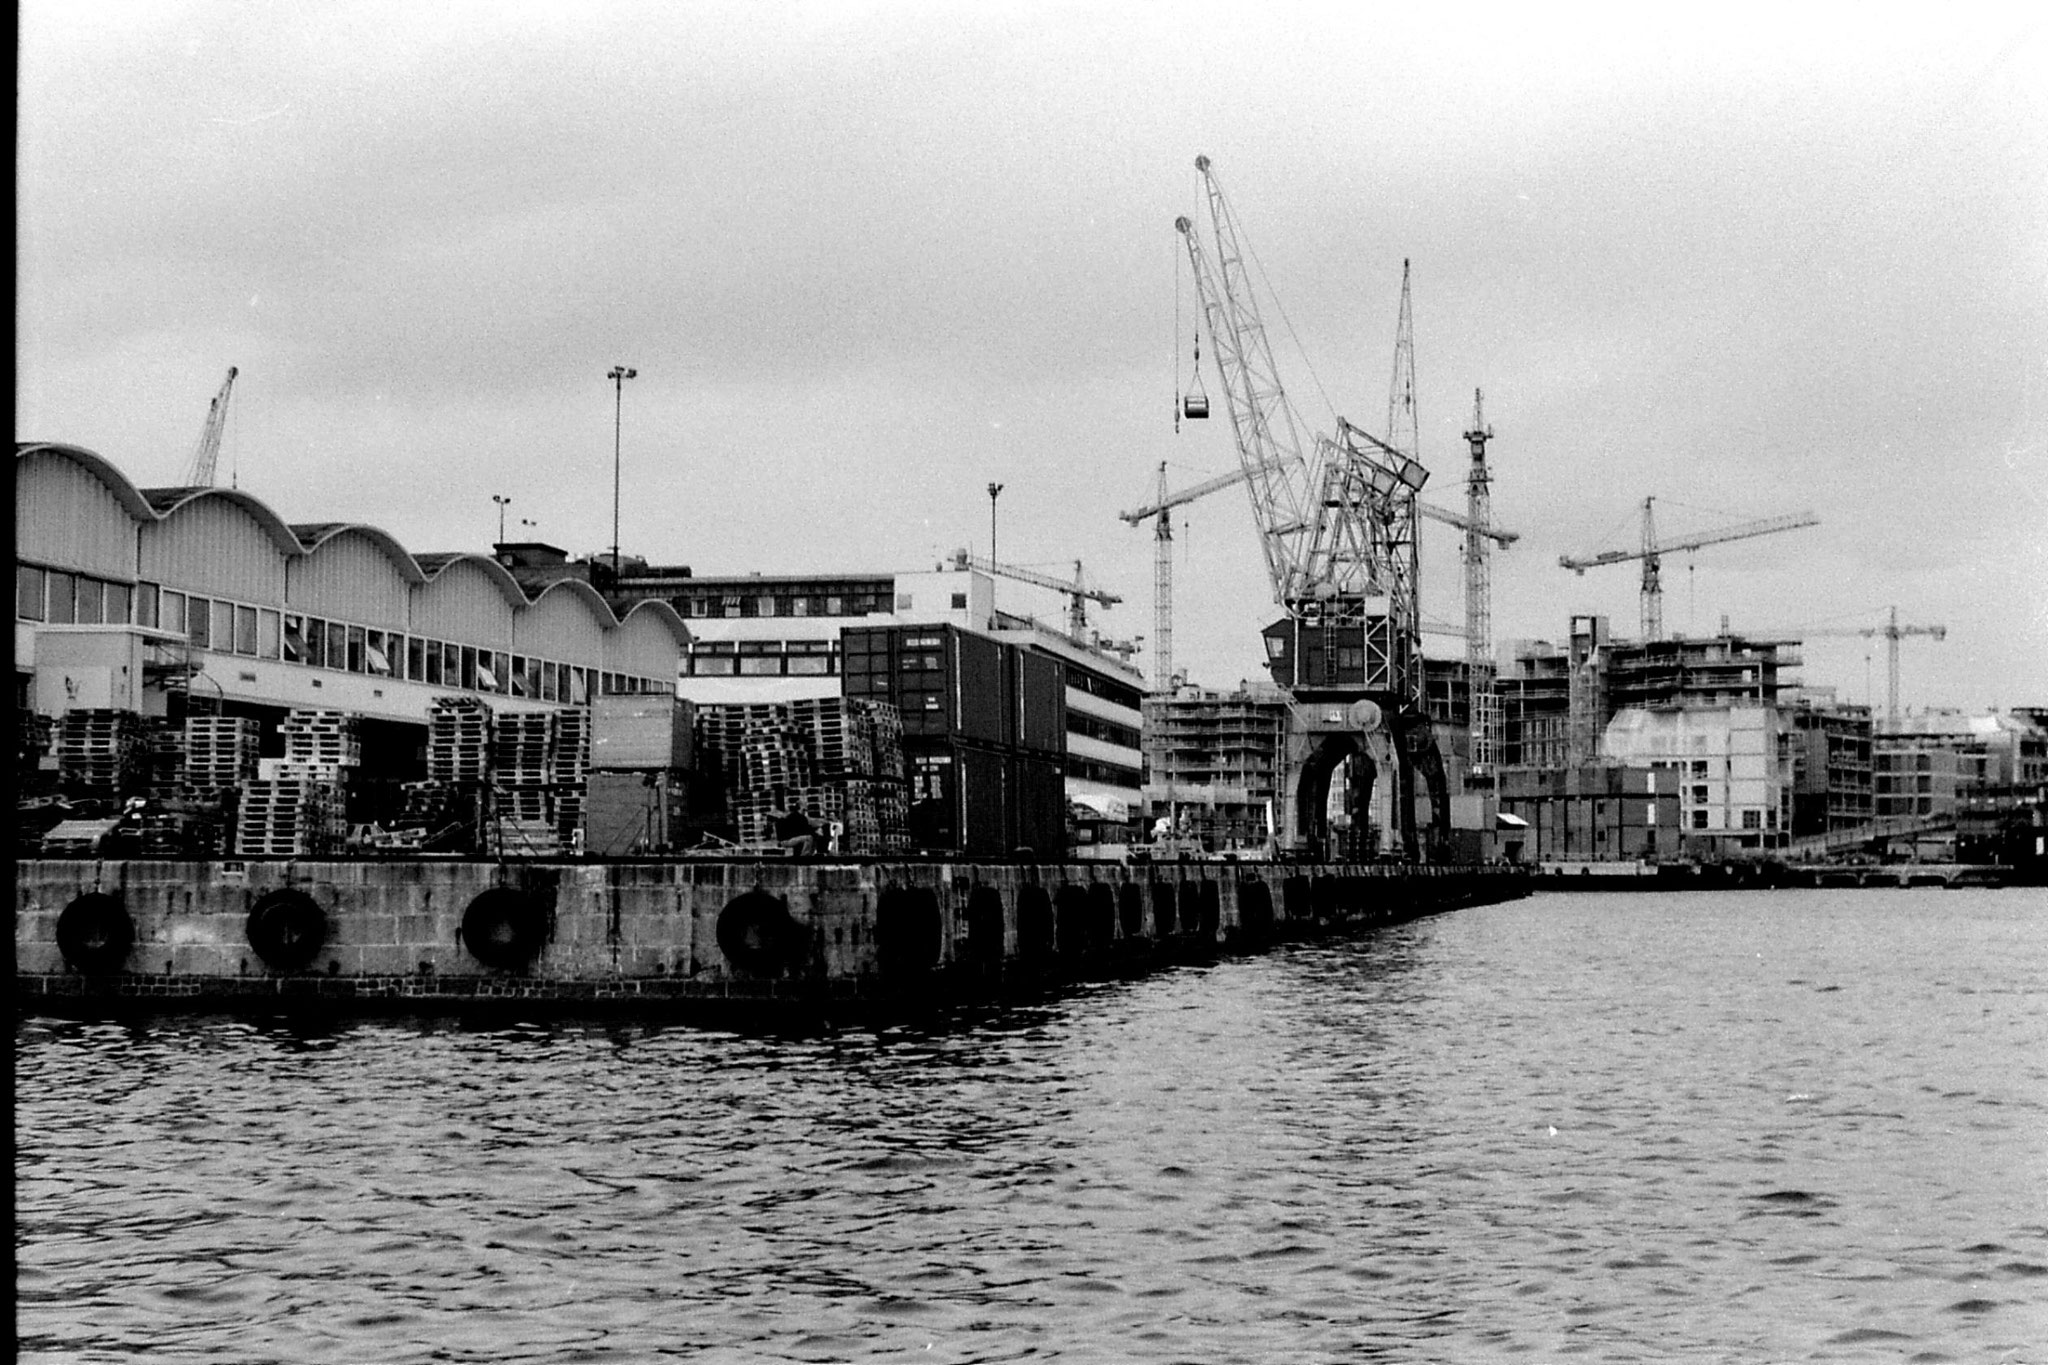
x=421, y=934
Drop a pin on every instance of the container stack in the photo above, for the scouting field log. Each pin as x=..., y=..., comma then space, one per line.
x=100, y=753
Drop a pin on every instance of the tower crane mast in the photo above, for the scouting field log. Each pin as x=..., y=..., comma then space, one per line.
x=1653, y=551
x=1893, y=632
x=1482, y=700
x=206, y=451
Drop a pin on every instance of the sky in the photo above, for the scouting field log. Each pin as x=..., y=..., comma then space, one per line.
x=868, y=258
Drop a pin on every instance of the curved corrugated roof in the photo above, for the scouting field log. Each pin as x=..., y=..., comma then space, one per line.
x=433, y=565
x=313, y=535
x=663, y=613
x=160, y=504
x=168, y=502
x=127, y=494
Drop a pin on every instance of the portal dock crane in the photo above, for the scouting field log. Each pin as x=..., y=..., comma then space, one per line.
x=1653, y=551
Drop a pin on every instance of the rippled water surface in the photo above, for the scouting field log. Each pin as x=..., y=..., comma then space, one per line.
x=1738, y=1127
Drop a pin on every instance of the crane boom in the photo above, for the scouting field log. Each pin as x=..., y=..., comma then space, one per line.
x=1078, y=593
x=1168, y=501
x=1892, y=632
x=206, y=452
x=1653, y=551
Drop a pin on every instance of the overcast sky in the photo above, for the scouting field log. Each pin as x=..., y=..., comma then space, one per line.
x=869, y=257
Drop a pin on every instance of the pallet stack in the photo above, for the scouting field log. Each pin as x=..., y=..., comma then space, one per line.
x=838, y=760
x=570, y=772
x=289, y=817
x=523, y=820
x=100, y=753
x=219, y=754
x=458, y=741
x=297, y=806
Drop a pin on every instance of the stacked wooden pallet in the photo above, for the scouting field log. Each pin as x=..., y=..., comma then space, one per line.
x=321, y=739
x=571, y=771
x=100, y=752
x=219, y=753
x=841, y=734
x=838, y=760
x=458, y=740
x=289, y=818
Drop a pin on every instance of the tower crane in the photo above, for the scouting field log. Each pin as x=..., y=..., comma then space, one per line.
x=1078, y=593
x=1162, y=506
x=1653, y=551
x=1337, y=519
x=1893, y=632
x=1482, y=699
x=206, y=452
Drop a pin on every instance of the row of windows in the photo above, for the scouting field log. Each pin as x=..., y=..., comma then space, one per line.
x=1080, y=723
x=748, y=605
x=1109, y=773
x=225, y=627
x=65, y=599
x=763, y=658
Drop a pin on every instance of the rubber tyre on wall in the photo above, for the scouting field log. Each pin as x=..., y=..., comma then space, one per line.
x=287, y=929
x=757, y=935
x=95, y=933
x=504, y=928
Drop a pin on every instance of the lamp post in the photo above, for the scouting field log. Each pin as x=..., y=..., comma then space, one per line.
x=993, y=489
x=503, y=502
x=618, y=374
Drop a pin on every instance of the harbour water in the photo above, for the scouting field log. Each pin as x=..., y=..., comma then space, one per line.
x=1739, y=1126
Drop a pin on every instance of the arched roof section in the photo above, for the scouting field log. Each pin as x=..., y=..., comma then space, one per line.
x=583, y=592
x=127, y=494
x=167, y=502
x=658, y=613
x=432, y=566
x=314, y=535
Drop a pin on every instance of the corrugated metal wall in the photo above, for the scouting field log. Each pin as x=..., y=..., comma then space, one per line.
x=352, y=577
x=213, y=546
x=463, y=604
x=65, y=517
x=642, y=647
x=562, y=624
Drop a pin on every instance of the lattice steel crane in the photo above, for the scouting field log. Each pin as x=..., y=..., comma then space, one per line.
x=1078, y=593
x=1892, y=632
x=206, y=453
x=1653, y=551
x=1162, y=506
x=1337, y=519
x=1482, y=698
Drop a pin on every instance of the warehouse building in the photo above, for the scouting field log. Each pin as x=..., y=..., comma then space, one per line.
x=780, y=638
x=155, y=600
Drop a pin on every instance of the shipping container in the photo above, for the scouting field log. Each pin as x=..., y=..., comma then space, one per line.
x=641, y=733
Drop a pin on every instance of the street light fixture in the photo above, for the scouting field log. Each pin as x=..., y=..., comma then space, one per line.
x=618, y=374
x=993, y=489
x=503, y=502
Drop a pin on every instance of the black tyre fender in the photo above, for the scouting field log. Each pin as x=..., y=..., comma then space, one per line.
x=504, y=927
x=287, y=929
x=95, y=933
x=756, y=933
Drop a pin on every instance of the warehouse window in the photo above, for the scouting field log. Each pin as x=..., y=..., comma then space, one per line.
x=809, y=665
x=356, y=642
x=550, y=682
x=376, y=652
x=29, y=585
x=146, y=604
x=245, y=630
x=62, y=598
x=713, y=665
x=90, y=601
x=199, y=621
x=337, y=645
x=223, y=626
x=118, y=598
x=266, y=634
